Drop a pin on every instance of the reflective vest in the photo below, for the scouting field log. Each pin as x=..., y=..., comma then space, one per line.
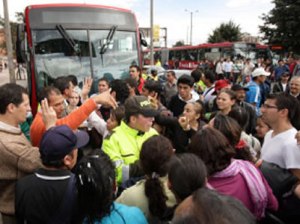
x=123, y=147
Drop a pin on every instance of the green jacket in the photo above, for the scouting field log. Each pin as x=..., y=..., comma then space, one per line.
x=123, y=147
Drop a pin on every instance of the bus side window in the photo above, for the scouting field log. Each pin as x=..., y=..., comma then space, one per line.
x=178, y=55
x=171, y=55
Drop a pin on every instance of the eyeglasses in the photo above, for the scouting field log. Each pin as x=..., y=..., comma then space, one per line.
x=267, y=106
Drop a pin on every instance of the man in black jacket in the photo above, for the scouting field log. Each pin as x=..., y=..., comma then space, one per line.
x=240, y=100
x=185, y=95
x=49, y=195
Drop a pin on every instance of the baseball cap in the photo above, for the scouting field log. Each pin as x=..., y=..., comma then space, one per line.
x=237, y=87
x=139, y=105
x=220, y=84
x=260, y=71
x=59, y=141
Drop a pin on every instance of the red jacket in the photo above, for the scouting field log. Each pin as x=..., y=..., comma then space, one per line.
x=140, y=85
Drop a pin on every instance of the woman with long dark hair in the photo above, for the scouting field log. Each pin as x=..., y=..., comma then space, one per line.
x=187, y=174
x=234, y=177
x=152, y=195
x=180, y=130
x=95, y=178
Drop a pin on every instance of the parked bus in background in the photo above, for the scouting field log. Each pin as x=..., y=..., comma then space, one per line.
x=189, y=57
x=79, y=39
x=279, y=52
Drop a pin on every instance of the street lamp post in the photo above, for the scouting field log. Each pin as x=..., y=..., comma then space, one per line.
x=191, y=28
x=151, y=33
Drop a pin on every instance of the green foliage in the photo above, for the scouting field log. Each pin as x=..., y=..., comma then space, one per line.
x=13, y=27
x=20, y=17
x=179, y=43
x=281, y=25
x=225, y=32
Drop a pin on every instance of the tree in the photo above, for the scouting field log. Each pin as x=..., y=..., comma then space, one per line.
x=225, y=32
x=281, y=25
x=179, y=43
x=13, y=26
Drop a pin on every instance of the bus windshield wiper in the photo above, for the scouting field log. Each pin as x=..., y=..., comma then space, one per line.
x=108, y=39
x=67, y=37
x=107, y=42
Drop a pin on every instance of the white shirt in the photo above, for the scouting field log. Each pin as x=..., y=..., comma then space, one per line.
x=284, y=86
x=219, y=68
x=282, y=149
x=208, y=93
x=227, y=66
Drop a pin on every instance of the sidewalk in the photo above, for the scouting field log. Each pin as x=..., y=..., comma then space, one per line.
x=4, y=78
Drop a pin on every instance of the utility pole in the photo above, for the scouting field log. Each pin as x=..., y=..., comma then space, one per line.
x=191, y=28
x=12, y=78
x=151, y=33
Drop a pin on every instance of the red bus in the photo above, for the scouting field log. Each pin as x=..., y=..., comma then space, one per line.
x=188, y=57
x=79, y=39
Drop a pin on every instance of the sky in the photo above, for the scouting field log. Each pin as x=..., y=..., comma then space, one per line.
x=175, y=15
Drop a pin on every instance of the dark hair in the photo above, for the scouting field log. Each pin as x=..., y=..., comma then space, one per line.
x=131, y=82
x=155, y=157
x=228, y=127
x=105, y=79
x=231, y=93
x=202, y=109
x=108, y=76
x=95, y=181
x=54, y=163
x=62, y=83
x=196, y=74
x=121, y=89
x=213, y=148
x=209, y=206
x=286, y=101
x=231, y=129
x=118, y=113
x=136, y=66
x=47, y=91
x=210, y=76
x=138, y=69
x=172, y=73
x=154, y=86
x=240, y=115
x=73, y=79
x=153, y=72
x=11, y=93
x=187, y=174
x=186, y=79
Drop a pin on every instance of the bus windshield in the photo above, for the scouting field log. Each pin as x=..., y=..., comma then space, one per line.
x=55, y=57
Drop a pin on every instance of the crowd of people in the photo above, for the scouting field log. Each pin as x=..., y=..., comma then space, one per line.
x=218, y=146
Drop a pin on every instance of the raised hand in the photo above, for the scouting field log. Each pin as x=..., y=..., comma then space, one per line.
x=49, y=114
x=106, y=99
x=184, y=123
x=87, y=84
x=154, y=101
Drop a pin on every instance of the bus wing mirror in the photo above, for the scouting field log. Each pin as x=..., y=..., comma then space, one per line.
x=142, y=38
x=144, y=43
x=20, y=44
